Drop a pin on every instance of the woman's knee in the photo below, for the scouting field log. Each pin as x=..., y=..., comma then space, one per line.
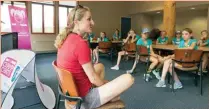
x=128, y=78
x=154, y=60
x=121, y=53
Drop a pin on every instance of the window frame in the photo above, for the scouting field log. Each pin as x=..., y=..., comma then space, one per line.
x=66, y=6
x=43, y=29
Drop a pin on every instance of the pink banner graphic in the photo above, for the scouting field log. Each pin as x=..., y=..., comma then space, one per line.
x=8, y=66
x=19, y=23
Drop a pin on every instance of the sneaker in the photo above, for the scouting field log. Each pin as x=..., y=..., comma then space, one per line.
x=129, y=71
x=115, y=67
x=177, y=85
x=148, y=77
x=161, y=83
x=157, y=74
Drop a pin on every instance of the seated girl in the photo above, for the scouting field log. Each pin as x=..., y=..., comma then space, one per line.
x=116, y=35
x=154, y=58
x=177, y=39
x=131, y=38
x=103, y=38
x=204, y=42
x=163, y=39
x=187, y=43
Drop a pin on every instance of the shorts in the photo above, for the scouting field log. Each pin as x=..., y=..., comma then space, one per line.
x=91, y=100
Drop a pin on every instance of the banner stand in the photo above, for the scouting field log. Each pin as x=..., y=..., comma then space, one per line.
x=16, y=63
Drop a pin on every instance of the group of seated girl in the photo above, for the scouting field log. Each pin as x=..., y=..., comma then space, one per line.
x=184, y=40
x=116, y=36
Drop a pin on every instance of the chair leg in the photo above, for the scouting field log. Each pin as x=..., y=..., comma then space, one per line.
x=195, y=78
x=169, y=78
x=78, y=105
x=201, y=81
x=172, y=83
x=58, y=101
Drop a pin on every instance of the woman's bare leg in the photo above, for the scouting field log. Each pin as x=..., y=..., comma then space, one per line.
x=166, y=66
x=120, y=54
x=205, y=61
x=115, y=87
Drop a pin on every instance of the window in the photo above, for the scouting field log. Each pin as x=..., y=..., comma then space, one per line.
x=64, y=8
x=5, y=19
x=43, y=17
x=37, y=18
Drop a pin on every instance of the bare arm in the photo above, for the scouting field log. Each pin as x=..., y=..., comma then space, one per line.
x=93, y=77
x=134, y=39
x=127, y=38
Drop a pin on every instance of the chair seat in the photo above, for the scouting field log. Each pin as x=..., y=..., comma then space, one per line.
x=188, y=69
x=104, y=50
x=113, y=105
x=110, y=105
x=143, y=59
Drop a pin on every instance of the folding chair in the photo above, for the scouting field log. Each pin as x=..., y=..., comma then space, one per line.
x=106, y=48
x=190, y=60
x=144, y=57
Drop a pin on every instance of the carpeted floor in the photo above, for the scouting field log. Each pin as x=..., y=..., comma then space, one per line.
x=142, y=95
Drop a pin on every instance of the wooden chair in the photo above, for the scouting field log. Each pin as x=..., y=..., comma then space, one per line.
x=106, y=48
x=144, y=56
x=67, y=89
x=130, y=49
x=189, y=60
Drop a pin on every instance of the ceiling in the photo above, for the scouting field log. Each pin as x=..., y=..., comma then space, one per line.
x=204, y=7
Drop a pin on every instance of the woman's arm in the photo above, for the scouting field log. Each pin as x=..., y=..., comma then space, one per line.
x=93, y=77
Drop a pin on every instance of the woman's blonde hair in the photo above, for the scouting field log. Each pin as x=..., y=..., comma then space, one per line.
x=75, y=14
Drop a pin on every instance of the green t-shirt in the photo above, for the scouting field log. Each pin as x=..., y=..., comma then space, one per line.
x=162, y=40
x=191, y=41
x=176, y=41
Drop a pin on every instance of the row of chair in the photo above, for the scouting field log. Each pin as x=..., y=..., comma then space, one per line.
x=190, y=60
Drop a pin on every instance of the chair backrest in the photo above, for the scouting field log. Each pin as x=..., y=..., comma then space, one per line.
x=66, y=81
x=188, y=55
x=142, y=50
x=130, y=47
x=105, y=45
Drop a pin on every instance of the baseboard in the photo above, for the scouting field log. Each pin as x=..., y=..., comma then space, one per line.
x=46, y=52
